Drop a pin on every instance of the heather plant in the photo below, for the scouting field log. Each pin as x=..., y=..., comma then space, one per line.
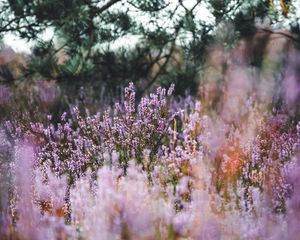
x=122, y=206
x=242, y=156
x=293, y=203
x=6, y=181
x=133, y=131
x=156, y=168
x=24, y=218
x=272, y=149
x=128, y=131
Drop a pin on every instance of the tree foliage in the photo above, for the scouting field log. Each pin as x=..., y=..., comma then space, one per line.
x=109, y=43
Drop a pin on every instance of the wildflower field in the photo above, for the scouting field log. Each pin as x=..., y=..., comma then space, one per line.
x=157, y=168
x=191, y=132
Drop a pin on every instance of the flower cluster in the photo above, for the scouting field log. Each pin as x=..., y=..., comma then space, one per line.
x=154, y=168
x=272, y=149
x=118, y=135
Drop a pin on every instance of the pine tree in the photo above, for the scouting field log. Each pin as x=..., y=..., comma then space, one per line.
x=171, y=38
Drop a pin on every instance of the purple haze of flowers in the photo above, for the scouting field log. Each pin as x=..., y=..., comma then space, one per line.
x=154, y=169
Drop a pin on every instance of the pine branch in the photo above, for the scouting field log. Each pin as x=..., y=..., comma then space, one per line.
x=97, y=10
x=289, y=36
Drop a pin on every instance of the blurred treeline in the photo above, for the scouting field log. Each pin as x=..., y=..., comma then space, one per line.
x=98, y=47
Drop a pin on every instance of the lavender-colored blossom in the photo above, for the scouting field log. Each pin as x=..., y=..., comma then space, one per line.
x=157, y=168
